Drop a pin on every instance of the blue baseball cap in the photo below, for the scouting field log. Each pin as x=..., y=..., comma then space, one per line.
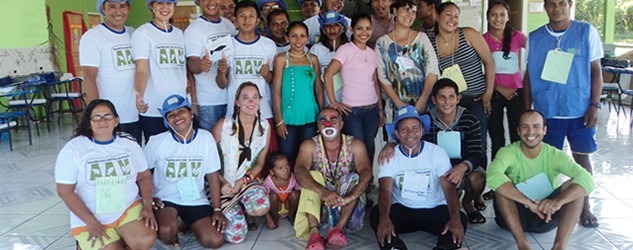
x=172, y=103
x=160, y=1
x=332, y=17
x=282, y=4
x=404, y=113
x=101, y=2
x=301, y=2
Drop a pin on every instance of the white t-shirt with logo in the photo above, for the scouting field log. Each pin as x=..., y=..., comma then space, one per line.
x=244, y=65
x=82, y=161
x=165, y=52
x=111, y=52
x=314, y=28
x=173, y=161
x=197, y=35
x=432, y=162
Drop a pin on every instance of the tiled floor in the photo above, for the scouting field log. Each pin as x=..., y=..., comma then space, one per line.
x=33, y=217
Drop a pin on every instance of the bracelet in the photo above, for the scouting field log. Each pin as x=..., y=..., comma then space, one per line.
x=150, y=201
x=217, y=209
x=279, y=123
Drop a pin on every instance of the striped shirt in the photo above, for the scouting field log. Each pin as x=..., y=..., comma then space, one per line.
x=469, y=63
x=466, y=123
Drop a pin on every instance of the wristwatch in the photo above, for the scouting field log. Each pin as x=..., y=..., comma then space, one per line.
x=596, y=104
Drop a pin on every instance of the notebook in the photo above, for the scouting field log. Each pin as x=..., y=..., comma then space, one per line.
x=536, y=188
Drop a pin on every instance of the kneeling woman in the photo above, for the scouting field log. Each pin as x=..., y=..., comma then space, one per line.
x=182, y=158
x=99, y=174
x=243, y=139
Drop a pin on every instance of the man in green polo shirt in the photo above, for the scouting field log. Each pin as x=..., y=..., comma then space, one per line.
x=514, y=176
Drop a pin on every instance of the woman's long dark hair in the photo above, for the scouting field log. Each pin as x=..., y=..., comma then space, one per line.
x=236, y=109
x=83, y=129
x=508, y=32
x=440, y=8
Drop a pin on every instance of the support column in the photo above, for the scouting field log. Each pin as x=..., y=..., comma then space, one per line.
x=609, y=21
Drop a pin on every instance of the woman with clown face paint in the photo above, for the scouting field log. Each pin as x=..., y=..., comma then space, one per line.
x=333, y=170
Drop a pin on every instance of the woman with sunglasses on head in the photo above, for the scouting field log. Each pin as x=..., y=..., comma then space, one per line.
x=100, y=174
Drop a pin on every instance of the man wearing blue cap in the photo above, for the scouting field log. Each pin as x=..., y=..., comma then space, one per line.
x=202, y=35
x=105, y=55
x=265, y=7
x=415, y=193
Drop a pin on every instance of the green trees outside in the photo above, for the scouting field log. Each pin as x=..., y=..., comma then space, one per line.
x=592, y=11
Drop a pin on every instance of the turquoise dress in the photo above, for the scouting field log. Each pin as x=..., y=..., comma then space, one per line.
x=298, y=100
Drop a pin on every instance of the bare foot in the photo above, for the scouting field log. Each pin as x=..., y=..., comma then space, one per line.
x=270, y=222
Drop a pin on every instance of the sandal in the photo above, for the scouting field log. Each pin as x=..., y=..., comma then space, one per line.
x=589, y=221
x=315, y=242
x=481, y=206
x=476, y=218
x=335, y=238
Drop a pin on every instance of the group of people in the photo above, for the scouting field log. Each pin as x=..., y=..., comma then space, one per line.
x=211, y=102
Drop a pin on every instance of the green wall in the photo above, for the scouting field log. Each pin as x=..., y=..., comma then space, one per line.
x=535, y=20
x=24, y=25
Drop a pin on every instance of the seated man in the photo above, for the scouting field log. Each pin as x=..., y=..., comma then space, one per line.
x=332, y=169
x=415, y=193
x=457, y=131
x=527, y=160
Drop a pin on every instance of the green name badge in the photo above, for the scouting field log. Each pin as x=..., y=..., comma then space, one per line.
x=110, y=194
x=557, y=66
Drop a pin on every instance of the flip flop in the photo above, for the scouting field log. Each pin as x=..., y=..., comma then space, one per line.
x=335, y=239
x=589, y=221
x=481, y=206
x=315, y=242
x=476, y=218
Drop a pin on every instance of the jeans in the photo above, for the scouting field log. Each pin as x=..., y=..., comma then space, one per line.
x=477, y=108
x=296, y=135
x=362, y=123
x=513, y=107
x=209, y=115
x=134, y=129
x=152, y=126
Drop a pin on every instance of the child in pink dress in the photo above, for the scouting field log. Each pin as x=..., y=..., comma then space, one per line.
x=283, y=190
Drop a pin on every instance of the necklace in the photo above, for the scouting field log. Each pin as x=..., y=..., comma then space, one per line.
x=295, y=55
x=446, y=41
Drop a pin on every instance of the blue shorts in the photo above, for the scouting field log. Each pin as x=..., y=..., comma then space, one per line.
x=581, y=139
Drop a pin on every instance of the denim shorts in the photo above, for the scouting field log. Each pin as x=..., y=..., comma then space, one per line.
x=581, y=139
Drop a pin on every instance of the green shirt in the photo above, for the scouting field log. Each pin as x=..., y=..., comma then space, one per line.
x=511, y=164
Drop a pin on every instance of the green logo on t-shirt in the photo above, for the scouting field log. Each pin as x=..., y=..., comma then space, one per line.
x=248, y=66
x=123, y=58
x=108, y=167
x=178, y=168
x=170, y=56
